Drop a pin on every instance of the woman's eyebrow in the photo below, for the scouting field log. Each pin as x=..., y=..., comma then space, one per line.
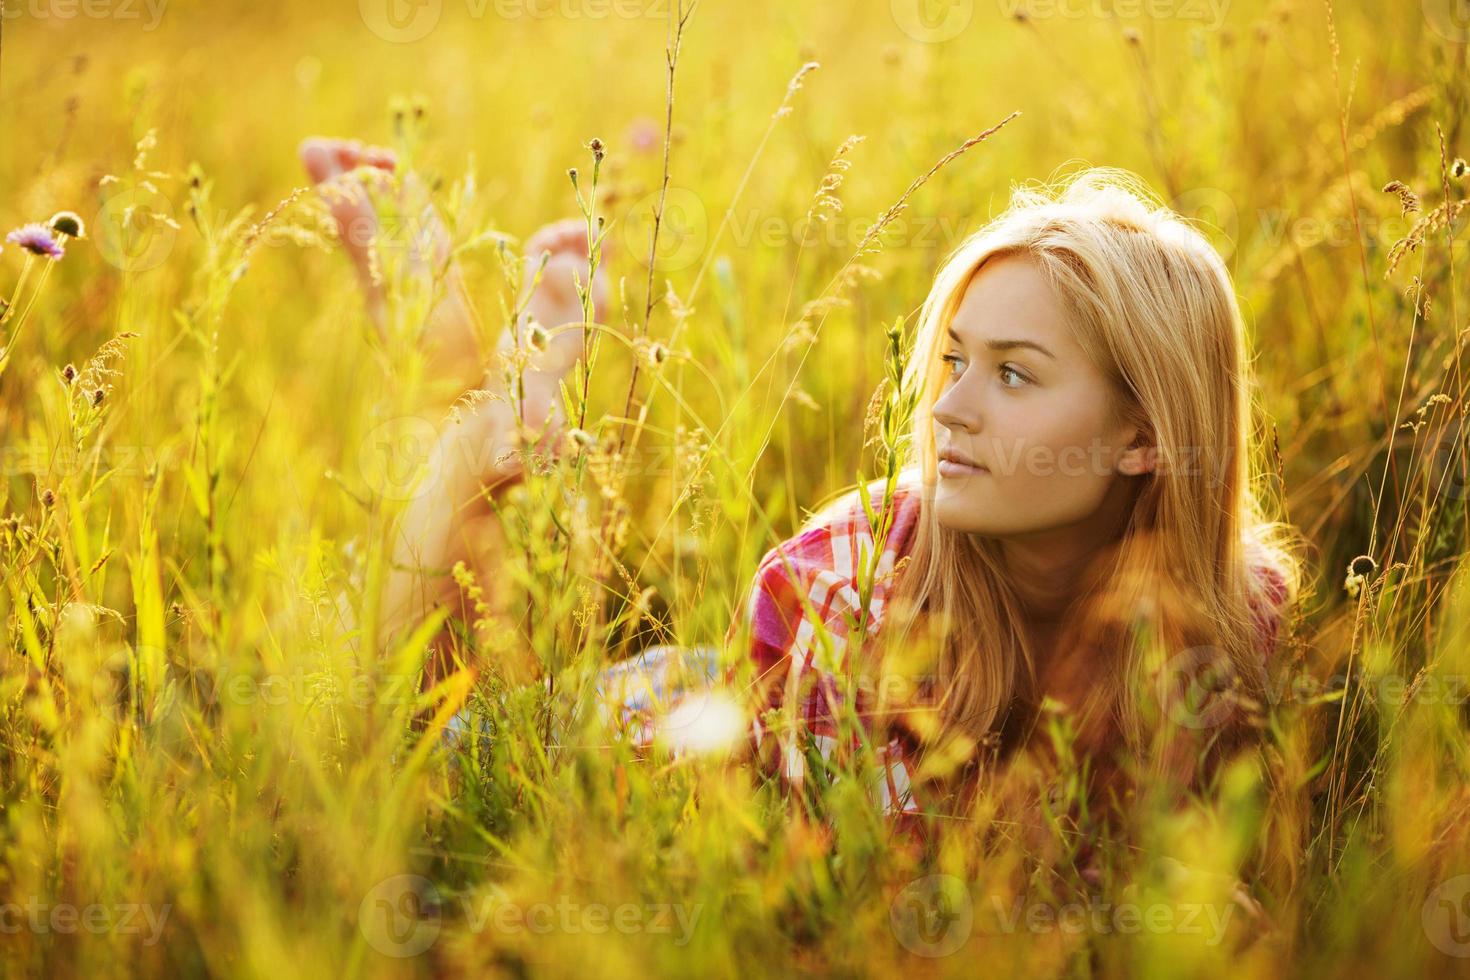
x=1006, y=344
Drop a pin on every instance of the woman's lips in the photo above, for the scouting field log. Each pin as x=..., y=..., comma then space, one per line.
x=950, y=468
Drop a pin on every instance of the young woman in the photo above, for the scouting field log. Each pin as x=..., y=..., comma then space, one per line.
x=1078, y=527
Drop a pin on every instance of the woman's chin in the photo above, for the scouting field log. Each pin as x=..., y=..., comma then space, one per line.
x=955, y=512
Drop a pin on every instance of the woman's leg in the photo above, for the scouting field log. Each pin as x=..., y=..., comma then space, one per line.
x=450, y=519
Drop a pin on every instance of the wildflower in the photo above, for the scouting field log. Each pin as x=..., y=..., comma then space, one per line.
x=69, y=373
x=657, y=353
x=1358, y=571
x=597, y=148
x=48, y=497
x=582, y=438
x=1459, y=168
x=68, y=223
x=97, y=397
x=36, y=239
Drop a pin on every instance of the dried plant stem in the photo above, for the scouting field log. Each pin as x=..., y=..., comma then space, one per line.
x=677, y=22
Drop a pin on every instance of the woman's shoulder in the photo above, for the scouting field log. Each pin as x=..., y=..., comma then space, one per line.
x=838, y=538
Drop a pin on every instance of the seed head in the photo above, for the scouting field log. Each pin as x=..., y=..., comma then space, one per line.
x=1408, y=200
x=69, y=373
x=1357, y=574
x=68, y=223
x=537, y=337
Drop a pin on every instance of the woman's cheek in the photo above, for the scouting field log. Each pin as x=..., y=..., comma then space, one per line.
x=1045, y=480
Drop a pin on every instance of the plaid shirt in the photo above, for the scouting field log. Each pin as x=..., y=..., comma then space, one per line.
x=810, y=578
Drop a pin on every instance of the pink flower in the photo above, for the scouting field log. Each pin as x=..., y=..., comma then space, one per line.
x=643, y=135
x=36, y=239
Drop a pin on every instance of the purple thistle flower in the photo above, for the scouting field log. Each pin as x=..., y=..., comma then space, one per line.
x=36, y=239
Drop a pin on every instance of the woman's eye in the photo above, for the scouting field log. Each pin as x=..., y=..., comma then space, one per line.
x=955, y=364
x=1006, y=369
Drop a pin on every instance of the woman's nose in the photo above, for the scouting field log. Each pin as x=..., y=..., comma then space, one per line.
x=953, y=413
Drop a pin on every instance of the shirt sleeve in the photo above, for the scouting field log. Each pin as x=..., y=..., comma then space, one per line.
x=1269, y=604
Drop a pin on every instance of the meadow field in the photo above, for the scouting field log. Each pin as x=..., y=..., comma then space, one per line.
x=212, y=764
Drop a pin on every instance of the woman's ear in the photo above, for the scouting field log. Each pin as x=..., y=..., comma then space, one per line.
x=1141, y=456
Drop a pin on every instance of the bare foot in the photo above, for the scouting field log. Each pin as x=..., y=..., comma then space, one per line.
x=553, y=301
x=329, y=162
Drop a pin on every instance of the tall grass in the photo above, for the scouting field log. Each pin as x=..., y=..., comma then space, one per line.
x=212, y=762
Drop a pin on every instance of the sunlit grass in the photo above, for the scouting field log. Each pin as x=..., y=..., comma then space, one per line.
x=213, y=760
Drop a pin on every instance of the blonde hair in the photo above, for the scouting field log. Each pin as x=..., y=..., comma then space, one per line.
x=1152, y=304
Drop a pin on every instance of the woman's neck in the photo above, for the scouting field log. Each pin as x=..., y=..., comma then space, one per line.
x=1049, y=577
x=1050, y=570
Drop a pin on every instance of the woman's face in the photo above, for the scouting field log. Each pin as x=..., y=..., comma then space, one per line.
x=1023, y=402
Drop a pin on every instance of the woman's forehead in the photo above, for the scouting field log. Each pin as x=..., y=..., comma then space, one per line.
x=1008, y=298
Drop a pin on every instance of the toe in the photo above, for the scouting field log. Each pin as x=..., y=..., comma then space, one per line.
x=380, y=157
x=349, y=154
x=318, y=156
